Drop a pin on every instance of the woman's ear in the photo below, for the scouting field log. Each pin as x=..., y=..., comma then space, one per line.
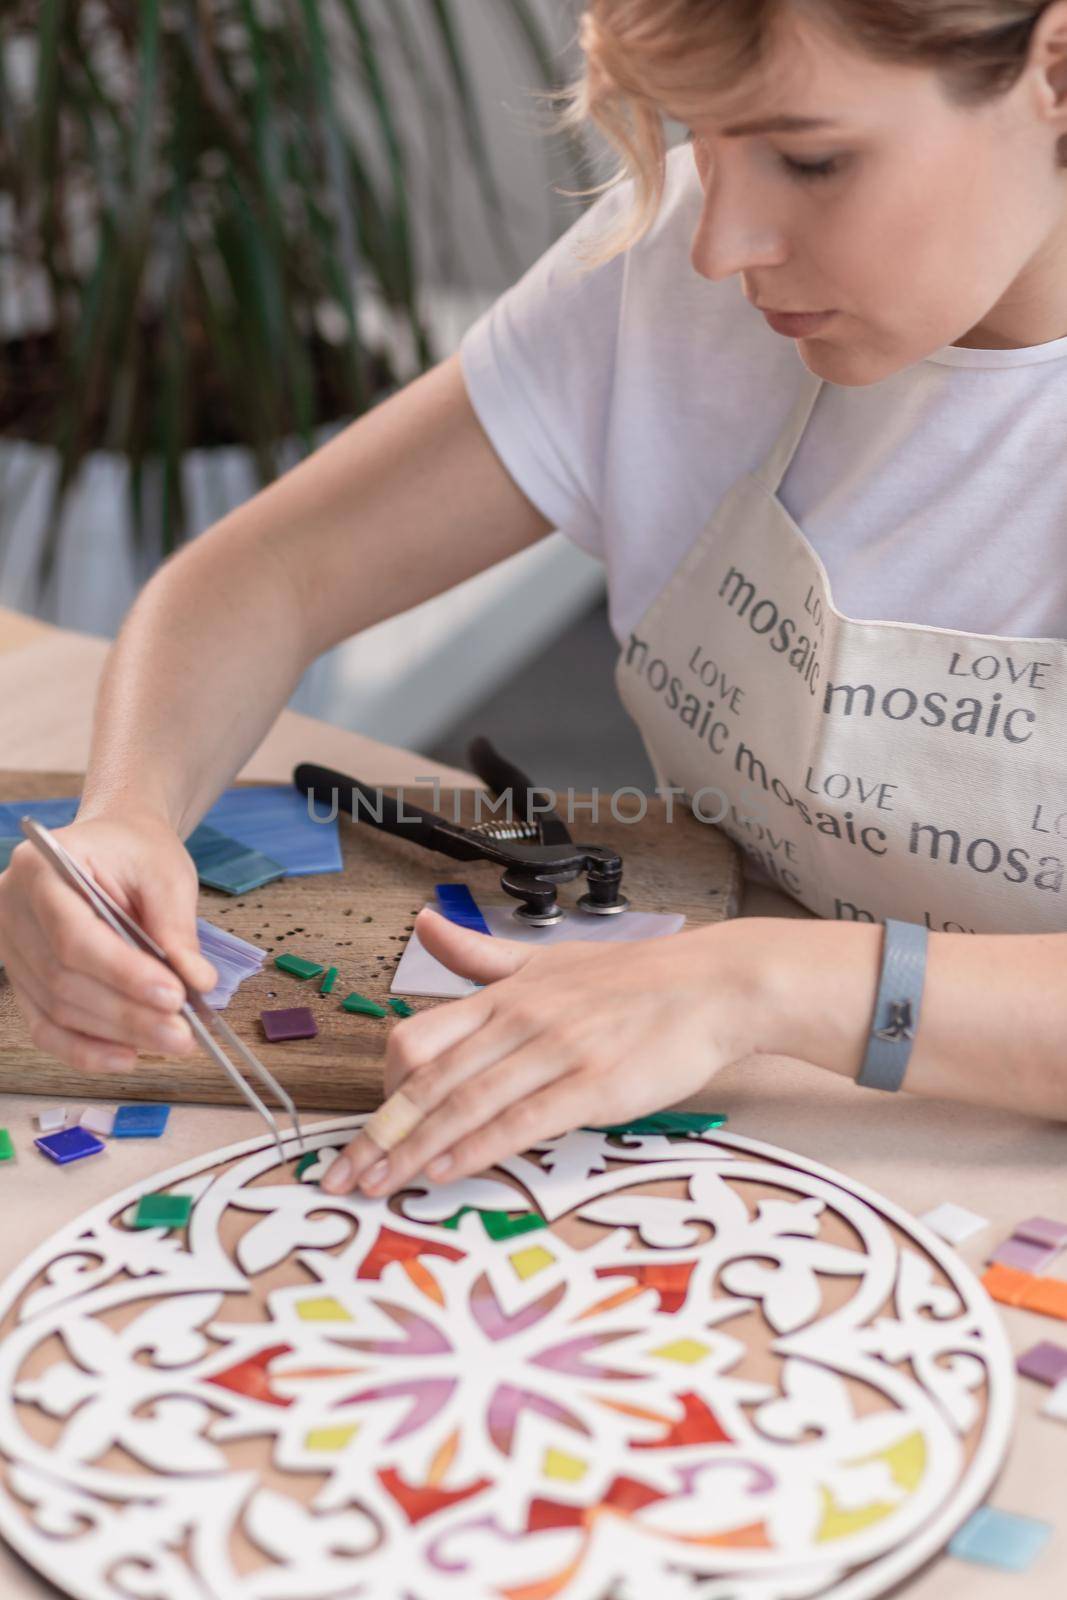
x=1048, y=55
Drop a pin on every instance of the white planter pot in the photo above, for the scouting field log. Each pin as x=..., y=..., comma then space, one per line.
x=403, y=681
x=98, y=570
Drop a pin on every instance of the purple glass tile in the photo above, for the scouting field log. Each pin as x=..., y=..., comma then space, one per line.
x=1047, y=1362
x=295, y=1023
x=1020, y=1253
x=1042, y=1230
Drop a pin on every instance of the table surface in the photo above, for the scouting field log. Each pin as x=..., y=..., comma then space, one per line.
x=914, y=1152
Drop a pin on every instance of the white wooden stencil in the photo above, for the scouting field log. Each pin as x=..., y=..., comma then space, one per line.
x=674, y=1367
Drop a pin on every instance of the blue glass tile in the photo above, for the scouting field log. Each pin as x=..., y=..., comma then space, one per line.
x=140, y=1122
x=271, y=818
x=458, y=904
x=69, y=1144
x=51, y=813
x=274, y=819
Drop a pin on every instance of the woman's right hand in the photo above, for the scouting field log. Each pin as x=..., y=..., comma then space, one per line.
x=88, y=997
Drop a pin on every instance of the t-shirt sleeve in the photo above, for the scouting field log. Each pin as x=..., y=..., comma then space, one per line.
x=539, y=370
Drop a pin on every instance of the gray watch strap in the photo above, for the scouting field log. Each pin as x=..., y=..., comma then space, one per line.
x=896, y=1009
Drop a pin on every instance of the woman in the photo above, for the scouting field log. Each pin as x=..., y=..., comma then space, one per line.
x=835, y=326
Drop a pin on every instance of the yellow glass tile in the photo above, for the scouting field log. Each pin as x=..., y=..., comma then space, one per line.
x=688, y=1350
x=559, y=1465
x=906, y=1460
x=324, y=1439
x=324, y=1310
x=532, y=1260
x=839, y=1524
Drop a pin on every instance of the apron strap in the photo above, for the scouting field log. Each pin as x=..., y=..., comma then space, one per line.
x=773, y=471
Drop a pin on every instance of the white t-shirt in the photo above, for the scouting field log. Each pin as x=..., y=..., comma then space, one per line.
x=625, y=401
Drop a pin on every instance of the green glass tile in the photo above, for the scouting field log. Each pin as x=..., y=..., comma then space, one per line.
x=501, y=1225
x=163, y=1211
x=402, y=1008
x=666, y=1122
x=453, y=1222
x=360, y=1003
x=310, y=1160
x=297, y=966
x=7, y=1148
x=326, y=986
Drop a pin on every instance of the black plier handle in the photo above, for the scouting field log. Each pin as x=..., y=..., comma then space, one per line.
x=532, y=869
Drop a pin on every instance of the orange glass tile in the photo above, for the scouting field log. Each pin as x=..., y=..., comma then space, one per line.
x=671, y=1280
x=1007, y=1284
x=1048, y=1295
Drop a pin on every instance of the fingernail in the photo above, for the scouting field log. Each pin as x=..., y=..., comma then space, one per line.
x=439, y=1166
x=339, y=1176
x=161, y=995
x=376, y=1175
x=117, y=1063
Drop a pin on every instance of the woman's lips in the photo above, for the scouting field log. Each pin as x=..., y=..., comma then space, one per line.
x=798, y=325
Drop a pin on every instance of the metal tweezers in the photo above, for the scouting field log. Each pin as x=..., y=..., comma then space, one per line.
x=196, y=1012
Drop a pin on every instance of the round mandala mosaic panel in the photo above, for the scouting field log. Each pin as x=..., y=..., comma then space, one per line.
x=694, y=1367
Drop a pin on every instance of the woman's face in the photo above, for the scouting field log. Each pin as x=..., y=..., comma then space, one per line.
x=917, y=223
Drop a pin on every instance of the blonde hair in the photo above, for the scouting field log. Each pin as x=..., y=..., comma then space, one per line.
x=639, y=52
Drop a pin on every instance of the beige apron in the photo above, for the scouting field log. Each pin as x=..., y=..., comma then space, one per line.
x=871, y=769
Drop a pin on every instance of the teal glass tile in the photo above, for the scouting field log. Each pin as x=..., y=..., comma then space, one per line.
x=225, y=863
x=1001, y=1539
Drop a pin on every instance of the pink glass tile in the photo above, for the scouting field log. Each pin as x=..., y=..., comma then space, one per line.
x=1023, y=1255
x=1046, y=1362
x=1042, y=1230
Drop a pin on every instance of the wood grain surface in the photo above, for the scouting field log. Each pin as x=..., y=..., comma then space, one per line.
x=359, y=921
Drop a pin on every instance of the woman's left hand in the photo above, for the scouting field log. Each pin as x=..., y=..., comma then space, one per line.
x=570, y=1034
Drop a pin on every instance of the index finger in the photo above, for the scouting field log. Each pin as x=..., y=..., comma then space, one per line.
x=83, y=942
x=419, y=1038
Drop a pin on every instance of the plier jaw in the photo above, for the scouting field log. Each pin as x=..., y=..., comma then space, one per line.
x=537, y=853
x=539, y=868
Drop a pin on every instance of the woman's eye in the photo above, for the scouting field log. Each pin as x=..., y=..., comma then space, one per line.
x=812, y=169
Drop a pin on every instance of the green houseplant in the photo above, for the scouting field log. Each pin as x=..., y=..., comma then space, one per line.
x=207, y=194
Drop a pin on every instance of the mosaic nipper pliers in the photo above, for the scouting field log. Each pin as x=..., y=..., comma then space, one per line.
x=536, y=849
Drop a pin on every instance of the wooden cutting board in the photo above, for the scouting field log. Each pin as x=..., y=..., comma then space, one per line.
x=359, y=921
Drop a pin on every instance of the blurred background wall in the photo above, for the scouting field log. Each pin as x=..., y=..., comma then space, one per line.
x=507, y=93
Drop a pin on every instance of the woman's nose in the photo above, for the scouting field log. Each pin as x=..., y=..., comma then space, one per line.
x=733, y=237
